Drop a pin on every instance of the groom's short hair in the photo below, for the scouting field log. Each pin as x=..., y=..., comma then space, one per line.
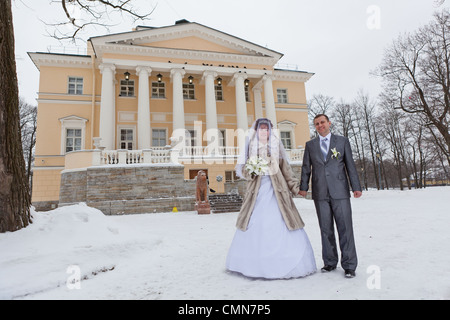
x=321, y=115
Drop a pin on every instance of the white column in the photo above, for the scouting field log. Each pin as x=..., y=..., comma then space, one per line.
x=270, y=100
x=212, y=132
x=258, y=102
x=241, y=107
x=144, y=132
x=107, y=107
x=178, y=101
x=178, y=104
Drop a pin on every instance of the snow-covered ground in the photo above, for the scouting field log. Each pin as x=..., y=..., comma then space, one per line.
x=402, y=238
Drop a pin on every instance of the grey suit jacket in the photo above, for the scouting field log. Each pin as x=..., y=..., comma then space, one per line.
x=330, y=178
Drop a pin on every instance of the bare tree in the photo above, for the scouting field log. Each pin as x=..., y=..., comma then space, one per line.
x=357, y=138
x=390, y=126
x=319, y=104
x=79, y=15
x=367, y=110
x=415, y=147
x=416, y=68
x=392, y=135
x=28, y=126
x=342, y=118
x=439, y=161
x=378, y=143
x=15, y=198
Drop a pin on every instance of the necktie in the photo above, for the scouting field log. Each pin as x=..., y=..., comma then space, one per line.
x=324, y=148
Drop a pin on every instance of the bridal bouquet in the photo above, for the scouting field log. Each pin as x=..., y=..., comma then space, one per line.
x=257, y=166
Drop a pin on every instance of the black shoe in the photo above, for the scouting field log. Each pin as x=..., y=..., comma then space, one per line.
x=350, y=273
x=328, y=268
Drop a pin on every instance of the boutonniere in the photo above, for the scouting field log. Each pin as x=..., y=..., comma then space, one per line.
x=335, y=153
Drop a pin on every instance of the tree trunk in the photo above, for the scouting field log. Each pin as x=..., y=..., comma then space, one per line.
x=377, y=145
x=14, y=190
x=369, y=138
x=399, y=171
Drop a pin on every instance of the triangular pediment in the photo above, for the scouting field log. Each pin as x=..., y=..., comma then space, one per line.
x=193, y=43
x=186, y=36
x=73, y=118
x=287, y=123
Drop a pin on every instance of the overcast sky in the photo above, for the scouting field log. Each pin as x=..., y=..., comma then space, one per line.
x=340, y=41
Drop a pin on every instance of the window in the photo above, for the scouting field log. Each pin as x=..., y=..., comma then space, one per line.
x=222, y=141
x=127, y=88
x=188, y=91
x=286, y=139
x=219, y=92
x=159, y=137
x=126, y=139
x=158, y=90
x=191, y=138
x=230, y=176
x=73, y=140
x=73, y=130
x=75, y=85
x=191, y=142
x=282, y=96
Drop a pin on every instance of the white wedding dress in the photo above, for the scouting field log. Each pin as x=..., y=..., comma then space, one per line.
x=268, y=249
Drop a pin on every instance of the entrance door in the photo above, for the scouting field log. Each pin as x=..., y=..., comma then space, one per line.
x=193, y=173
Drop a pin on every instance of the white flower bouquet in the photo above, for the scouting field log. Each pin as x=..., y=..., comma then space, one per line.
x=257, y=166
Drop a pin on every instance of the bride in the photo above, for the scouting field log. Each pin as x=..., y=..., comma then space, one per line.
x=270, y=241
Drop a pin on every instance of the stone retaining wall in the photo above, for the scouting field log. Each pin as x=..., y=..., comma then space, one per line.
x=137, y=189
x=241, y=185
x=238, y=186
x=129, y=189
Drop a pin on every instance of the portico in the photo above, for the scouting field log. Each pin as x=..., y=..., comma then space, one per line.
x=260, y=80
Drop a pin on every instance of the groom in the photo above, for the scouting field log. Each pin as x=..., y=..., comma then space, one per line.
x=329, y=158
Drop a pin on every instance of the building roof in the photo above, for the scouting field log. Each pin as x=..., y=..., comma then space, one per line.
x=55, y=59
x=146, y=35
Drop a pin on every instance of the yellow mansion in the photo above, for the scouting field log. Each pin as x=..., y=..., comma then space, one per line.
x=119, y=106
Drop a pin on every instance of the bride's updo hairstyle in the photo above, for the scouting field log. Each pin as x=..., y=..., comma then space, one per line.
x=263, y=121
x=275, y=150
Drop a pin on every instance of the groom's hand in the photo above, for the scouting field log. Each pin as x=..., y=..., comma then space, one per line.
x=303, y=193
x=357, y=194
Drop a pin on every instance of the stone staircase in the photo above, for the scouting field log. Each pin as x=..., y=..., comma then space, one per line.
x=221, y=203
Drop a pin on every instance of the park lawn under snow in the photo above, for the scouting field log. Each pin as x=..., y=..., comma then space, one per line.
x=402, y=239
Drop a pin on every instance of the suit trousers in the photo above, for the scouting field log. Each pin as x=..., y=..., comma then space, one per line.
x=339, y=210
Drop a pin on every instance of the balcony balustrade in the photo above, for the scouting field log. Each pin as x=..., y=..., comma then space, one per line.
x=157, y=155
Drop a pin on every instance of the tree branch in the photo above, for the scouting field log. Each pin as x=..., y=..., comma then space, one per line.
x=92, y=13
